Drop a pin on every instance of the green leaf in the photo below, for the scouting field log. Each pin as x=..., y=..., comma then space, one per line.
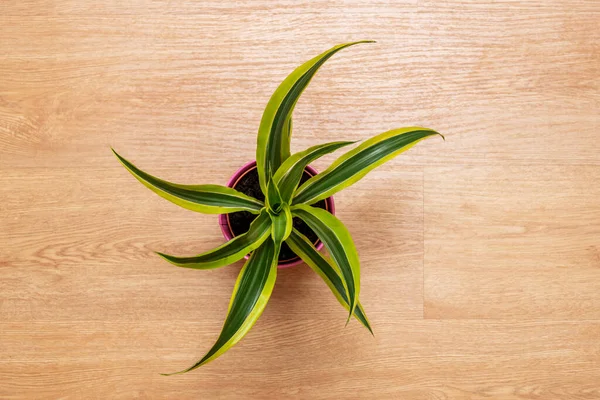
x=208, y=199
x=339, y=244
x=273, y=145
x=286, y=139
x=250, y=296
x=230, y=252
x=282, y=225
x=288, y=175
x=323, y=267
x=273, y=197
x=355, y=164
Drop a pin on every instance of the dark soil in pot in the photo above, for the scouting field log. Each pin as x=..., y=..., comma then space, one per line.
x=239, y=222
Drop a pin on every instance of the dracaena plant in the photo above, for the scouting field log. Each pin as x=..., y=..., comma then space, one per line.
x=279, y=175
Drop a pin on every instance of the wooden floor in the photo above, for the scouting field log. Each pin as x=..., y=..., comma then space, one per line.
x=480, y=255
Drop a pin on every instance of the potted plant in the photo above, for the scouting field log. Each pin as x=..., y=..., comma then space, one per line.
x=277, y=210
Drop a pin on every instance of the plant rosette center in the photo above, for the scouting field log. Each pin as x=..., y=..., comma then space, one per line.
x=278, y=208
x=281, y=220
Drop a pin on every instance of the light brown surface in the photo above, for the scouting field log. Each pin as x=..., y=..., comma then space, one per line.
x=481, y=254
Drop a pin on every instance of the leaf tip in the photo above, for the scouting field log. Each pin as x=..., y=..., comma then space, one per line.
x=177, y=373
x=167, y=258
x=121, y=159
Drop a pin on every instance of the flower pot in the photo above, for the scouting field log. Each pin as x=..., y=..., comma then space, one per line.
x=243, y=180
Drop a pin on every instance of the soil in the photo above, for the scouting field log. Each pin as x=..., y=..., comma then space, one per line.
x=240, y=221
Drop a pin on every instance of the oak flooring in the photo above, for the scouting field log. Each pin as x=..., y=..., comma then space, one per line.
x=480, y=255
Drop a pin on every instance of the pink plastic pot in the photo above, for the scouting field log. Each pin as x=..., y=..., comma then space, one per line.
x=224, y=218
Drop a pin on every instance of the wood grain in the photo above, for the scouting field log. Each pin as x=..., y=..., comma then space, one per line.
x=528, y=239
x=480, y=254
x=423, y=359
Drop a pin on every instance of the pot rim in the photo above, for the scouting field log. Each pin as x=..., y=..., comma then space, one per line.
x=224, y=218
